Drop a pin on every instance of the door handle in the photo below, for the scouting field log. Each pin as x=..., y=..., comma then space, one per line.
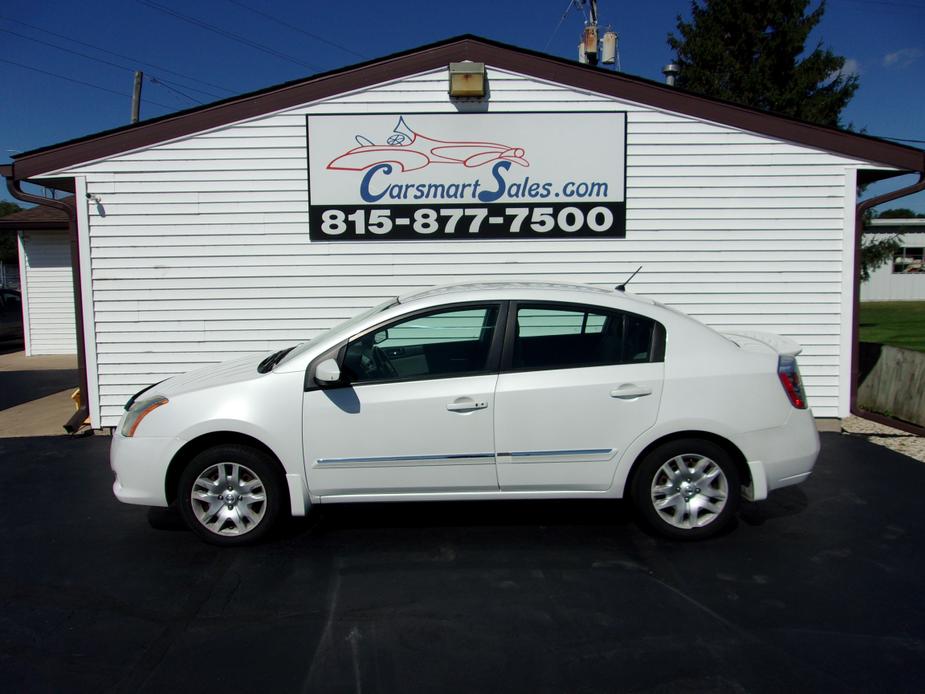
x=466, y=405
x=629, y=390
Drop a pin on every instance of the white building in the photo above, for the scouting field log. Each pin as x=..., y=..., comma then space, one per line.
x=259, y=221
x=45, y=279
x=903, y=279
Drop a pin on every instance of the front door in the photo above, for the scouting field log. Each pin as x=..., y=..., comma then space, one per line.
x=418, y=413
x=579, y=385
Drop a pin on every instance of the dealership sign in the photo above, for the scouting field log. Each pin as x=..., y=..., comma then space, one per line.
x=418, y=176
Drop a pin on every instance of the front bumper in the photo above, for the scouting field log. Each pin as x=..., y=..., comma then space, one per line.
x=140, y=465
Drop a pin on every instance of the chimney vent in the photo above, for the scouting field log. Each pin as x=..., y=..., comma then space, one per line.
x=671, y=71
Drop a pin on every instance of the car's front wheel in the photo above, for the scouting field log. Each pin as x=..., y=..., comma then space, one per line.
x=687, y=489
x=230, y=495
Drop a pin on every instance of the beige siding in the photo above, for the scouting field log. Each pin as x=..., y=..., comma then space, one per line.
x=200, y=248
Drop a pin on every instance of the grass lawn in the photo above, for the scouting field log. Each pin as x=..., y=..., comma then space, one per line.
x=896, y=323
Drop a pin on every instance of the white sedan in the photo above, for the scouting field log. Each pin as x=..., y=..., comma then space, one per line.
x=481, y=391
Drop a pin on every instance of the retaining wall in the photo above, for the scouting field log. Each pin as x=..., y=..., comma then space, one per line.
x=893, y=382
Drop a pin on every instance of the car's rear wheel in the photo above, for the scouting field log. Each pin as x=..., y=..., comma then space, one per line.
x=687, y=489
x=230, y=495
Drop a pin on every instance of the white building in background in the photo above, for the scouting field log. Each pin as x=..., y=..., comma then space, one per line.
x=258, y=222
x=903, y=279
x=45, y=280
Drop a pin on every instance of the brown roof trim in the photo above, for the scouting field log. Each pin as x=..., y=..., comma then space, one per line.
x=13, y=225
x=65, y=185
x=867, y=176
x=437, y=55
x=35, y=218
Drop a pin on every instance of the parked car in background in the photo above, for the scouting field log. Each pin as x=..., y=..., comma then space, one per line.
x=10, y=315
x=483, y=391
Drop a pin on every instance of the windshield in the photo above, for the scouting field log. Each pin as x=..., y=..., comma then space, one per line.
x=346, y=326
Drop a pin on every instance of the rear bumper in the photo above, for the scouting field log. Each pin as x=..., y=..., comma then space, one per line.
x=140, y=465
x=781, y=456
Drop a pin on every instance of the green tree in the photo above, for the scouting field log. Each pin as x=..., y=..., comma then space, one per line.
x=899, y=213
x=8, y=239
x=875, y=253
x=876, y=250
x=754, y=53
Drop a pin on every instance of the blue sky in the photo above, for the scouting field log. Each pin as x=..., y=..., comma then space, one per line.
x=200, y=51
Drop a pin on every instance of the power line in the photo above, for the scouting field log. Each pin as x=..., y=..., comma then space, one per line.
x=164, y=83
x=559, y=25
x=76, y=81
x=119, y=55
x=296, y=28
x=61, y=48
x=886, y=3
x=227, y=34
x=580, y=4
x=155, y=80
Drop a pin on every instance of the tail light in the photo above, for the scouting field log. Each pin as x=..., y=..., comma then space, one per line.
x=789, y=374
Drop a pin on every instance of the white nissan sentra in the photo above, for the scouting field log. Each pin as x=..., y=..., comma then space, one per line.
x=481, y=391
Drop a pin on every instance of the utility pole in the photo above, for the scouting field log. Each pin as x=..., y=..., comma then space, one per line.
x=136, y=95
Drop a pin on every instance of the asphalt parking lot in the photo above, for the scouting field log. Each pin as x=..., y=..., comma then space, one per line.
x=817, y=589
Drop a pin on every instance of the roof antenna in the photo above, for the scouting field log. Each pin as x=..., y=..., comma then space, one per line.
x=622, y=287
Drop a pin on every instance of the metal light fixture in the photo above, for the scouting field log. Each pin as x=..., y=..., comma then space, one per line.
x=467, y=79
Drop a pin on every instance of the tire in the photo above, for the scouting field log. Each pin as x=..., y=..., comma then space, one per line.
x=230, y=495
x=687, y=489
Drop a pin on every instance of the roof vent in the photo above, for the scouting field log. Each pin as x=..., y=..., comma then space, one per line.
x=671, y=71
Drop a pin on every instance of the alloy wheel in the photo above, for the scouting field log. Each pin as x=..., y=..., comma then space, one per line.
x=689, y=491
x=228, y=499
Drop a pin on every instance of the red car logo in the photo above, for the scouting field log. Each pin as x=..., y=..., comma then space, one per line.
x=412, y=151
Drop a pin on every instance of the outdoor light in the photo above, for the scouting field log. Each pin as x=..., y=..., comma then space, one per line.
x=467, y=79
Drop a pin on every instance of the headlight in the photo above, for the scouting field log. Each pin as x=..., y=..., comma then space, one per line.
x=138, y=411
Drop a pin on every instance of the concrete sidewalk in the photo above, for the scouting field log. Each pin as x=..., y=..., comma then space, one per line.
x=18, y=361
x=37, y=405
x=43, y=417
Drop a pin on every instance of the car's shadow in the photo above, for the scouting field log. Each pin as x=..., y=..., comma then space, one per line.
x=782, y=503
x=438, y=514
x=598, y=516
x=167, y=519
x=455, y=514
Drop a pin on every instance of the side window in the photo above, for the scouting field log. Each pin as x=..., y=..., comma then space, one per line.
x=441, y=344
x=557, y=337
x=909, y=260
x=555, y=321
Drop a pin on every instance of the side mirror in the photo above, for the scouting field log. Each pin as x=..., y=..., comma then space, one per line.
x=327, y=373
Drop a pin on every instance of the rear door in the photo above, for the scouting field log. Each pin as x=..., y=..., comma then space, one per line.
x=578, y=384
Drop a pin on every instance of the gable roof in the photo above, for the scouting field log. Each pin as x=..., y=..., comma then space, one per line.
x=437, y=55
x=39, y=217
